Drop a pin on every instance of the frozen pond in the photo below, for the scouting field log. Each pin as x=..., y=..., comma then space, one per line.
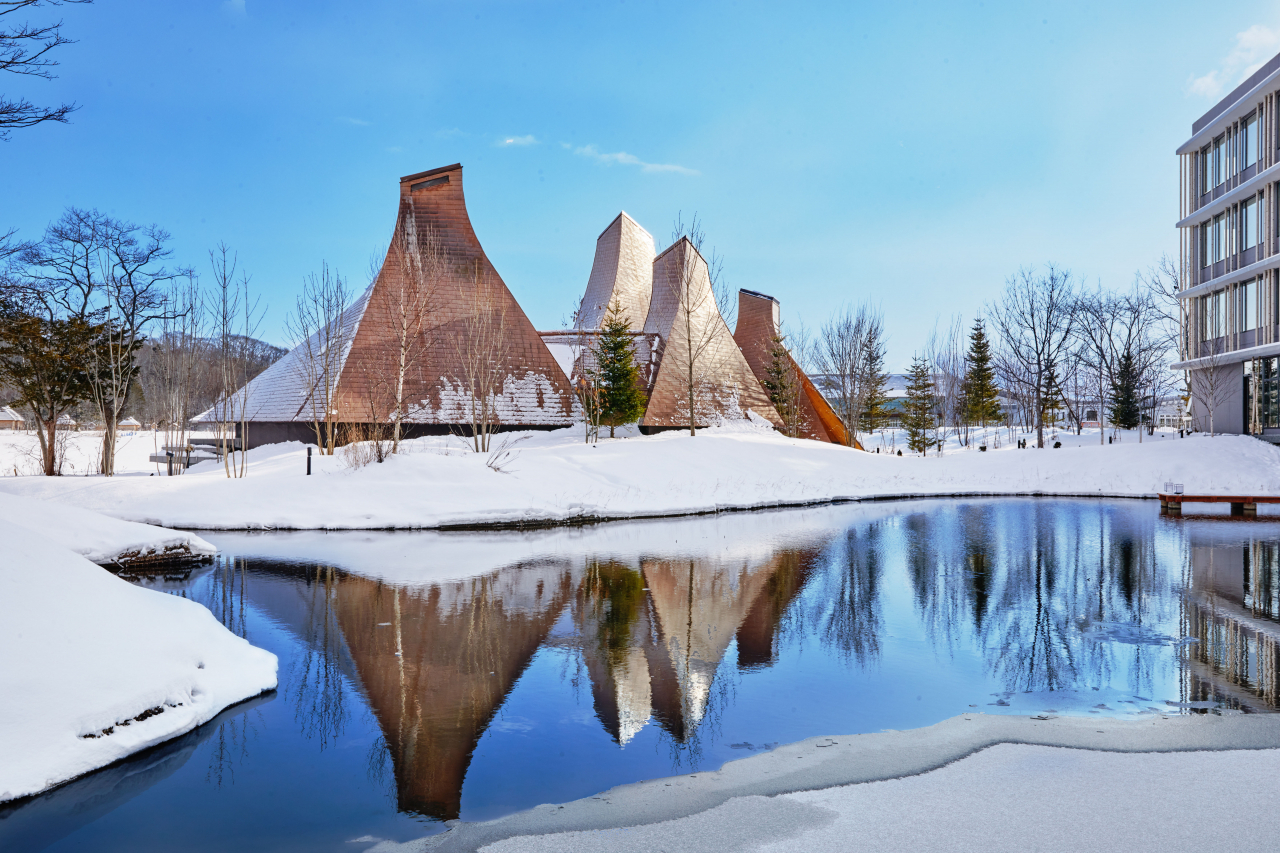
x=431, y=676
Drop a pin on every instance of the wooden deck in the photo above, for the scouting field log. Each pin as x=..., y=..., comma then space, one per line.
x=1242, y=505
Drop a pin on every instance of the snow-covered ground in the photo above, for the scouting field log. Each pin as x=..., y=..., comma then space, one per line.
x=553, y=477
x=100, y=538
x=94, y=668
x=973, y=782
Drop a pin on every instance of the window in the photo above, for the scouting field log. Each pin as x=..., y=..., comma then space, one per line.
x=1249, y=224
x=1211, y=317
x=1247, y=305
x=1249, y=142
x=1206, y=244
x=1219, y=172
x=1219, y=237
x=1206, y=169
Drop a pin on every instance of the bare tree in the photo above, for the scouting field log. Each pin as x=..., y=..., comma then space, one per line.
x=110, y=272
x=945, y=352
x=1035, y=318
x=847, y=351
x=480, y=350
x=410, y=301
x=1211, y=382
x=236, y=318
x=173, y=363
x=321, y=336
x=25, y=50
x=701, y=300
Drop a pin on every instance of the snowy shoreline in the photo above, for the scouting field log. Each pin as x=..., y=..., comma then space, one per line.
x=771, y=797
x=97, y=669
x=552, y=479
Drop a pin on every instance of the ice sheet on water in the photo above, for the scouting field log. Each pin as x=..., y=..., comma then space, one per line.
x=1128, y=632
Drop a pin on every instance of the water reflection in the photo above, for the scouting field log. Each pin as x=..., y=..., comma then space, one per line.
x=691, y=639
x=1233, y=612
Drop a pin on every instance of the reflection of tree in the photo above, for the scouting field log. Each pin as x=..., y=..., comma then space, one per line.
x=849, y=608
x=229, y=746
x=318, y=686
x=612, y=599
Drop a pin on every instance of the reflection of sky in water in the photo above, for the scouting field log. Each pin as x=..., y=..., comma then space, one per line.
x=426, y=676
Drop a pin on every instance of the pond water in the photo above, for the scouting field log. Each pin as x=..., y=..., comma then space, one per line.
x=431, y=676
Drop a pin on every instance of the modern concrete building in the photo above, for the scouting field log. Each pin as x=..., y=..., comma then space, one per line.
x=1229, y=259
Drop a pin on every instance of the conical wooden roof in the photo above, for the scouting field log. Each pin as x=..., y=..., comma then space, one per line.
x=758, y=324
x=468, y=291
x=683, y=312
x=622, y=270
x=463, y=295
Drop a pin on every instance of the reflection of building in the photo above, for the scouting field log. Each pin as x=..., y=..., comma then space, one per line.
x=1229, y=266
x=1233, y=611
x=437, y=663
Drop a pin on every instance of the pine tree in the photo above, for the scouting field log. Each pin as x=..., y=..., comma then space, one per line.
x=1051, y=399
x=919, y=408
x=873, y=410
x=621, y=396
x=1124, y=408
x=783, y=386
x=981, y=395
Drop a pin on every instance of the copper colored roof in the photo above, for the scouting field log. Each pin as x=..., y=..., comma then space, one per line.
x=758, y=324
x=683, y=311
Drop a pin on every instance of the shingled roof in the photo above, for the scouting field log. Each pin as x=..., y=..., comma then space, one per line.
x=758, y=324
x=726, y=386
x=465, y=292
x=622, y=270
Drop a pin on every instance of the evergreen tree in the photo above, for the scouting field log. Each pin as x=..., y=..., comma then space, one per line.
x=877, y=380
x=1124, y=408
x=919, y=407
x=1051, y=396
x=981, y=395
x=621, y=395
x=783, y=386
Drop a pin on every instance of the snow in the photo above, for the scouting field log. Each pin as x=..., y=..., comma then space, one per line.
x=99, y=538
x=553, y=477
x=97, y=669
x=1011, y=797
x=974, y=782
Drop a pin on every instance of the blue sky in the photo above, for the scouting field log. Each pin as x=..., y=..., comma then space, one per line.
x=911, y=155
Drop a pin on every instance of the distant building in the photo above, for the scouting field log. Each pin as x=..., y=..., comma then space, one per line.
x=10, y=419
x=129, y=424
x=1230, y=258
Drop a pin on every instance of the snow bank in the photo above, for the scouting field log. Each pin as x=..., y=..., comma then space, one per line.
x=101, y=539
x=96, y=669
x=552, y=477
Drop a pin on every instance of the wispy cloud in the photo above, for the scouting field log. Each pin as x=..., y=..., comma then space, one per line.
x=450, y=133
x=233, y=7
x=1253, y=47
x=358, y=122
x=508, y=141
x=626, y=159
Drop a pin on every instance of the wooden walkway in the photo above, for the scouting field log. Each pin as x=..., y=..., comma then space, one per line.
x=1242, y=505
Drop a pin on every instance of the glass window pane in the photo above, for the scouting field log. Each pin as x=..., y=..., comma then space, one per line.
x=1248, y=225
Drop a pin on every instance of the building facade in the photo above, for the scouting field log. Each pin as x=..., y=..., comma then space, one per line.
x=1229, y=259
